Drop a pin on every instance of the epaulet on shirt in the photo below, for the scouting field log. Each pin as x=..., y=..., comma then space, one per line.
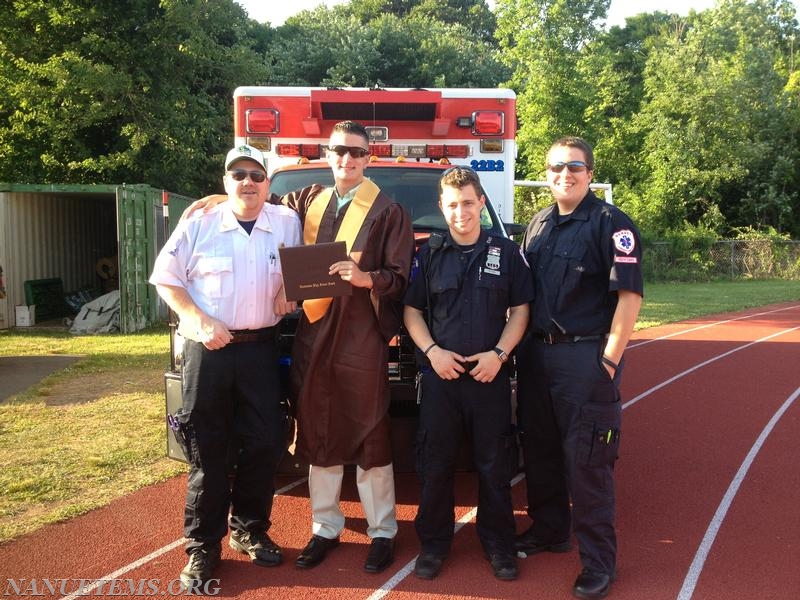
x=201, y=214
x=279, y=209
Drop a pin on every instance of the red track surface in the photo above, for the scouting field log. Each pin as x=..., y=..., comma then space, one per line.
x=708, y=494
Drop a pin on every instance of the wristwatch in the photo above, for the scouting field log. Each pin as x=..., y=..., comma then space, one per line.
x=501, y=354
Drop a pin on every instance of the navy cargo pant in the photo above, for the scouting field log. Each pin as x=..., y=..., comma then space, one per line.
x=482, y=411
x=231, y=404
x=570, y=415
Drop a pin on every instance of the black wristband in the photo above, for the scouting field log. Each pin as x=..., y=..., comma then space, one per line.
x=610, y=362
x=428, y=349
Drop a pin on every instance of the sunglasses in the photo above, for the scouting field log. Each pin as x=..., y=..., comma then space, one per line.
x=573, y=166
x=355, y=151
x=241, y=174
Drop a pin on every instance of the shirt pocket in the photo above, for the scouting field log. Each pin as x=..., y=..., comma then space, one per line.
x=493, y=291
x=215, y=276
x=443, y=287
x=570, y=272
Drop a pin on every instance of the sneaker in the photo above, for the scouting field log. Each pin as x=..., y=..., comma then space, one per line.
x=202, y=562
x=261, y=549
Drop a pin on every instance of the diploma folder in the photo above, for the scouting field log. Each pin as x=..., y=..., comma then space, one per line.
x=305, y=271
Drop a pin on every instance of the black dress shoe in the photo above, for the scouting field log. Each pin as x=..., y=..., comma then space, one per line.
x=428, y=565
x=529, y=543
x=381, y=554
x=592, y=585
x=261, y=549
x=315, y=551
x=504, y=566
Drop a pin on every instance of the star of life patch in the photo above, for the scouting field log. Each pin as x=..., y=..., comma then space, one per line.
x=624, y=241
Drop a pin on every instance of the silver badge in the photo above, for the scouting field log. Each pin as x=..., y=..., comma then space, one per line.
x=493, y=260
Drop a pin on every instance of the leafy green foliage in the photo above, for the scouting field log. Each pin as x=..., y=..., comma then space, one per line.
x=694, y=120
x=717, y=125
x=371, y=44
x=112, y=92
x=542, y=41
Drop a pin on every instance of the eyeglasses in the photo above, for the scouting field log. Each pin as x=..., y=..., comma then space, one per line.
x=241, y=174
x=573, y=166
x=355, y=151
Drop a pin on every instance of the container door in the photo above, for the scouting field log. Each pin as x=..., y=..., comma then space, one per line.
x=3, y=295
x=6, y=297
x=136, y=208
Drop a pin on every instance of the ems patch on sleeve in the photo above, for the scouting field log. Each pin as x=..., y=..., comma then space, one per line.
x=414, y=269
x=624, y=241
x=177, y=246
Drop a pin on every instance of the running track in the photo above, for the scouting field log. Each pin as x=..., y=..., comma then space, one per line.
x=708, y=496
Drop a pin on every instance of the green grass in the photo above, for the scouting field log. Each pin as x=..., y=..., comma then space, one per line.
x=85, y=435
x=671, y=302
x=95, y=430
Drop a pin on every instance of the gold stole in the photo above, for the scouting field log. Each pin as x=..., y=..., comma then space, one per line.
x=315, y=308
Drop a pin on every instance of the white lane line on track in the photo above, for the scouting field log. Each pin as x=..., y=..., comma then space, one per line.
x=696, y=568
x=85, y=591
x=707, y=325
x=408, y=568
x=665, y=383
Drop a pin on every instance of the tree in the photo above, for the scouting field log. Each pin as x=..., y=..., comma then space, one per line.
x=614, y=64
x=332, y=47
x=137, y=91
x=542, y=42
x=718, y=123
x=474, y=15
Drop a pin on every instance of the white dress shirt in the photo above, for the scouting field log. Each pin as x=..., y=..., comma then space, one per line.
x=230, y=275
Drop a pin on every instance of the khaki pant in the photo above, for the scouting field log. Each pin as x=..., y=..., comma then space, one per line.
x=375, y=489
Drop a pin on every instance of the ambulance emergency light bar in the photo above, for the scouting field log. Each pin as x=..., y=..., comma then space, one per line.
x=266, y=121
x=420, y=151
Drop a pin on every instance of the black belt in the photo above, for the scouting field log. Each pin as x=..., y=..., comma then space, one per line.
x=561, y=338
x=265, y=334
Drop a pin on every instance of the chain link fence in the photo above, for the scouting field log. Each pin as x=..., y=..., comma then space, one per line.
x=724, y=259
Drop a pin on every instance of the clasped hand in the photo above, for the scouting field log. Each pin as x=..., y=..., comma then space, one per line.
x=451, y=365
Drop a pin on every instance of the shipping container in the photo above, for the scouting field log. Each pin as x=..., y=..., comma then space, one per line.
x=68, y=241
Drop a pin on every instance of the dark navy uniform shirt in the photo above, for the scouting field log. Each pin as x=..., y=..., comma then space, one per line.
x=471, y=288
x=579, y=261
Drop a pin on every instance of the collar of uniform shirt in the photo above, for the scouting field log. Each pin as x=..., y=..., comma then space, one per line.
x=342, y=200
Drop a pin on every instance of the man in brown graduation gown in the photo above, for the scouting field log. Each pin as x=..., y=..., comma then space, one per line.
x=339, y=375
